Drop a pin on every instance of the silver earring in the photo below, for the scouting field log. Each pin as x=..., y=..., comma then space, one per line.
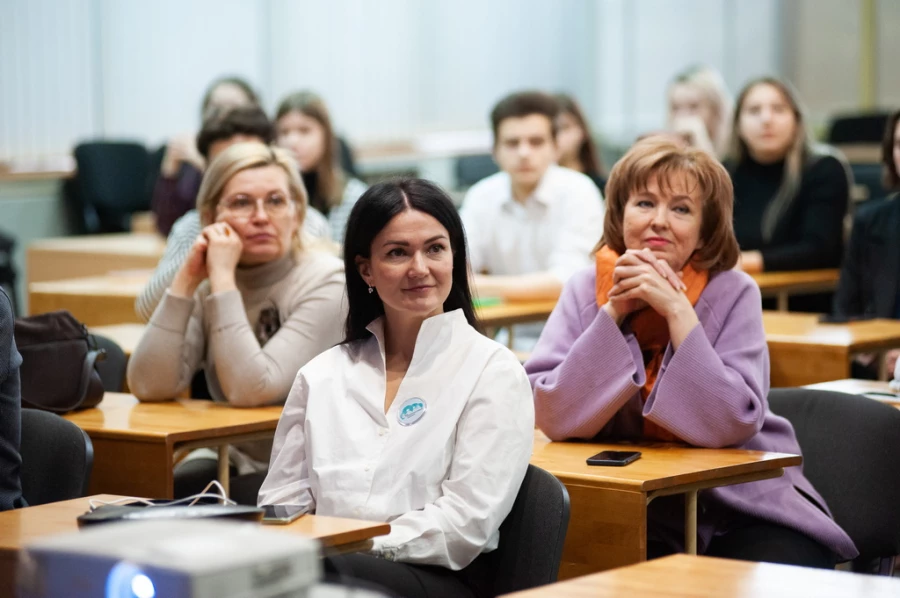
x=371, y=290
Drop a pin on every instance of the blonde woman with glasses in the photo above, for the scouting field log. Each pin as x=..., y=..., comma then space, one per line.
x=249, y=306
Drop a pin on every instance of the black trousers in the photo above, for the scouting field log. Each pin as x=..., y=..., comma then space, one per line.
x=402, y=580
x=765, y=542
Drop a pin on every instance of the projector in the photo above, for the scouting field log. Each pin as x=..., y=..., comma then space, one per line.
x=170, y=559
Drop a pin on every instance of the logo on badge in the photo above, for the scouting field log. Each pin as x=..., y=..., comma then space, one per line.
x=411, y=411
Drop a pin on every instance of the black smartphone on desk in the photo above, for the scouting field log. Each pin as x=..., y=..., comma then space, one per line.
x=282, y=514
x=614, y=458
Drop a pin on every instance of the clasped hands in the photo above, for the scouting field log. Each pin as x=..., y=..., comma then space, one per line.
x=215, y=254
x=642, y=280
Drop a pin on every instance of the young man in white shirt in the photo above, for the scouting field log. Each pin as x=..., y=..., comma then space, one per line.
x=534, y=224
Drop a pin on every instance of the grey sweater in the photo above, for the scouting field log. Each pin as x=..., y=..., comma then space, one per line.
x=10, y=411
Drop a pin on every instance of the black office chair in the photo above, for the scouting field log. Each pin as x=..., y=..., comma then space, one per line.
x=110, y=185
x=57, y=457
x=857, y=128
x=851, y=450
x=471, y=169
x=531, y=536
x=111, y=368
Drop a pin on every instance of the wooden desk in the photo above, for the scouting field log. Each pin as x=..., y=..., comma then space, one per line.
x=705, y=577
x=20, y=526
x=608, y=523
x=92, y=255
x=135, y=443
x=514, y=312
x=804, y=351
x=880, y=391
x=96, y=301
x=802, y=282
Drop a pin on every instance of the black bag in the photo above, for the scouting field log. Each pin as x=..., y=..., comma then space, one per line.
x=58, y=358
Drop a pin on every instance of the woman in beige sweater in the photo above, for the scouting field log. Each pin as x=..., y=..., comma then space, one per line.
x=250, y=305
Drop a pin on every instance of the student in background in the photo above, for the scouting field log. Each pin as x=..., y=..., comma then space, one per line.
x=870, y=276
x=663, y=340
x=700, y=109
x=303, y=127
x=416, y=418
x=530, y=226
x=182, y=166
x=250, y=305
x=790, y=198
x=577, y=149
x=10, y=410
x=220, y=131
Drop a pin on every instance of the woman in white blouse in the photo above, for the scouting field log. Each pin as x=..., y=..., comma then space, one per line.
x=416, y=419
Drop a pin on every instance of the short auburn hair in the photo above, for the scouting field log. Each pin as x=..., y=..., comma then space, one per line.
x=666, y=161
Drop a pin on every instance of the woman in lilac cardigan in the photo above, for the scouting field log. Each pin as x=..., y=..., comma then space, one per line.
x=664, y=340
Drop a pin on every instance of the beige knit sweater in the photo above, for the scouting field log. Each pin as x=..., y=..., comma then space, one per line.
x=216, y=332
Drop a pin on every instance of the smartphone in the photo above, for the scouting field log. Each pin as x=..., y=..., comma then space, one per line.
x=282, y=514
x=614, y=458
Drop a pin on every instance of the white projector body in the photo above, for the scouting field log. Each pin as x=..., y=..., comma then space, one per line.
x=170, y=559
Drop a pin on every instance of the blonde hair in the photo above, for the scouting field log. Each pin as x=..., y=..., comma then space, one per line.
x=799, y=154
x=712, y=86
x=245, y=156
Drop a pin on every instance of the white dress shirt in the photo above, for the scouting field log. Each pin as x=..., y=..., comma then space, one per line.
x=445, y=481
x=553, y=230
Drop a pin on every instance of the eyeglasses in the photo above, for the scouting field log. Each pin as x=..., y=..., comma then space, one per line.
x=244, y=207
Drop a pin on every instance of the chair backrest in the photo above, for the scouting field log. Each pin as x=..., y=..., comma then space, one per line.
x=851, y=452
x=858, y=128
x=471, y=169
x=111, y=368
x=112, y=180
x=532, y=535
x=57, y=457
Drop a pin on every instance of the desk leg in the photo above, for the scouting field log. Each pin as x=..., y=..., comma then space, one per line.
x=690, y=522
x=883, y=373
x=224, y=473
x=782, y=301
x=511, y=339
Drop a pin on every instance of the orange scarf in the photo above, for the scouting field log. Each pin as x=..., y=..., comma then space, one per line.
x=650, y=329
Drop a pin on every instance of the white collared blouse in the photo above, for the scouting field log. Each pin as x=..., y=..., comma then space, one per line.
x=443, y=465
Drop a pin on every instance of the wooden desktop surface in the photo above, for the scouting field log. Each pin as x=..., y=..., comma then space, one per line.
x=92, y=255
x=704, y=577
x=20, y=526
x=804, y=351
x=608, y=522
x=515, y=312
x=874, y=389
x=96, y=301
x=134, y=442
x=782, y=285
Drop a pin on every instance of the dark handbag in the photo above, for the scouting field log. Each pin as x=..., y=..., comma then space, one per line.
x=58, y=358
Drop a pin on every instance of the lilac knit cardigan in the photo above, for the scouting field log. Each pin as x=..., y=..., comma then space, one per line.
x=587, y=373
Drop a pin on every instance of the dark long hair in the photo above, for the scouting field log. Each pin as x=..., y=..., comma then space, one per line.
x=372, y=212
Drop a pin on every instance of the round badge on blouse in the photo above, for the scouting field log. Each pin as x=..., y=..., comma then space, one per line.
x=411, y=411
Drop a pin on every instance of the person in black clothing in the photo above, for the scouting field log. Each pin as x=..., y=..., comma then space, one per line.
x=870, y=276
x=577, y=149
x=790, y=199
x=10, y=411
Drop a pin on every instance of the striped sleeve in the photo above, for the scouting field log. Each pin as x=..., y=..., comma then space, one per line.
x=178, y=245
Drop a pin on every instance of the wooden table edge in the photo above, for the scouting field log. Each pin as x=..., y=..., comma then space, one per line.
x=591, y=480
